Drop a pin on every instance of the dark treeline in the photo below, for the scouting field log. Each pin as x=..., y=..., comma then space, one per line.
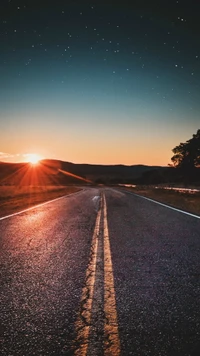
x=185, y=167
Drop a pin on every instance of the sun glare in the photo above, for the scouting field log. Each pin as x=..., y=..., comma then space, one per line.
x=33, y=158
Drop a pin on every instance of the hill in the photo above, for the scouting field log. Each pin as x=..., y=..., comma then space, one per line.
x=104, y=173
x=44, y=173
x=56, y=172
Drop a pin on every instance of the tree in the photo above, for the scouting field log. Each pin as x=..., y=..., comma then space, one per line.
x=187, y=155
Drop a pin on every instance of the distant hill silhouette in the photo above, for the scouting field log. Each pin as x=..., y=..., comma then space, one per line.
x=105, y=173
x=56, y=172
x=44, y=173
x=168, y=175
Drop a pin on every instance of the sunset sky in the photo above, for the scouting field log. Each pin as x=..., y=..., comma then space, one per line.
x=98, y=82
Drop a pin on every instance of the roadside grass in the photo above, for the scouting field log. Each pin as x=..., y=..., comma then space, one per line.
x=186, y=201
x=16, y=198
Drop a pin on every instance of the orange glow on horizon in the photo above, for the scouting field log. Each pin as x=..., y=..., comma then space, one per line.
x=33, y=158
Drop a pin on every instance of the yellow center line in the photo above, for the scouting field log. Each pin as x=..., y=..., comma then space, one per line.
x=83, y=322
x=111, y=332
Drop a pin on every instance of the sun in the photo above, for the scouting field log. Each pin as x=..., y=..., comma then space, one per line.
x=33, y=158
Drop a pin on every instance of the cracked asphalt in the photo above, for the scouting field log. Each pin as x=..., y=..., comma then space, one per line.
x=44, y=256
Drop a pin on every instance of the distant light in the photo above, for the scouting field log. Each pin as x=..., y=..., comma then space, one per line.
x=33, y=158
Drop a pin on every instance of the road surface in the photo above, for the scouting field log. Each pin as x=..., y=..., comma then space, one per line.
x=100, y=272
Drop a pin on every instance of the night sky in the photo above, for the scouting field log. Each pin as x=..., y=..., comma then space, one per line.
x=98, y=82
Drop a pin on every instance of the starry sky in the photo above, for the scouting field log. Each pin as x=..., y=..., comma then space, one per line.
x=98, y=81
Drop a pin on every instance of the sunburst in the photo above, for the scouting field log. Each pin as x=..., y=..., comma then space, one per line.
x=33, y=158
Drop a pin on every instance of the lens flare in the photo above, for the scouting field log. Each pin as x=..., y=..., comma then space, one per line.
x=33, y=158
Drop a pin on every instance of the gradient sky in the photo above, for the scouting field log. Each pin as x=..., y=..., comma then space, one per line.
x=98, y=82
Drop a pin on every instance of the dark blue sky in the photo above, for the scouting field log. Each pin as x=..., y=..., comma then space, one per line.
x=98, y=82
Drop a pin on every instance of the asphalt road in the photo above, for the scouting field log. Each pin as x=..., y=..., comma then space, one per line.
x=100, y=272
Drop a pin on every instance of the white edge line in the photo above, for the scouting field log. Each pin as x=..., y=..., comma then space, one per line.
x=166, y=206
x=38, y=205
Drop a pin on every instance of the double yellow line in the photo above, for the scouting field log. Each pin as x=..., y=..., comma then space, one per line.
x=84, y=321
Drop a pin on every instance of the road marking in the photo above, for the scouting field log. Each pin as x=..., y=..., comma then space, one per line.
x=83, y=322
x=96, y=198
x=165, y=205
x=37, y=206
x=84, y=327
x=112, y=341
x=95, y=201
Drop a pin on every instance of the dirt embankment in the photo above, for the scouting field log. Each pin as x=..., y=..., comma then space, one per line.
x=187, y=200
x=17, y=198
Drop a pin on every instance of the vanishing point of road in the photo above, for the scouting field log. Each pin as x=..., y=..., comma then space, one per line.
x=100, y=272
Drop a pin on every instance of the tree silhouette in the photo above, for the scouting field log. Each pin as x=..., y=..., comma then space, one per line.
x=187, y=155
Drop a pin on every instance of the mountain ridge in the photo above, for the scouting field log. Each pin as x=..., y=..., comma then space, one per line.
x=52, y=171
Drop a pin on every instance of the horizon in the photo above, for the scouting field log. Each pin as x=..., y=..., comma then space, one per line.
x=78, y=163
x=99, y=83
